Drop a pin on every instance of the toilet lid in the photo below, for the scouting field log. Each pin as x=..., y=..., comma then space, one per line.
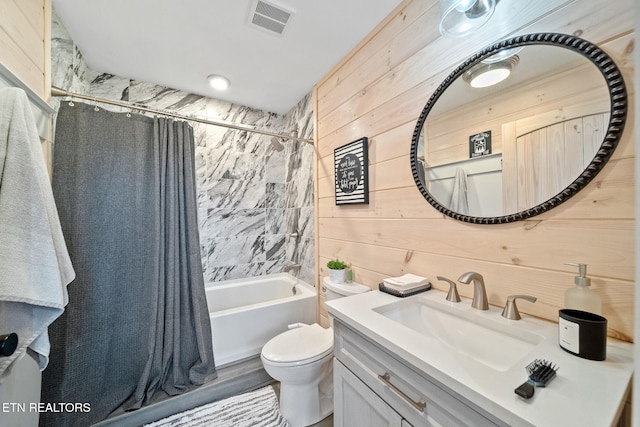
x=300, y=345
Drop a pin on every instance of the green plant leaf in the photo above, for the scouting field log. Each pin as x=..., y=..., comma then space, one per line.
x=336, y=264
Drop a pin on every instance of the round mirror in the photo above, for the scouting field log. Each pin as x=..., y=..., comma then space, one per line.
x=518, y=128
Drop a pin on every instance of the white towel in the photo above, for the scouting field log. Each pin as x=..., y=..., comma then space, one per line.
x=404, y=282
x=459, y=197
x=35, y=267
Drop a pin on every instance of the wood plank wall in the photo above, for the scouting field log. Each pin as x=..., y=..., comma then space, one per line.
x=25, y=50
x=379, y=90
x=25, y=41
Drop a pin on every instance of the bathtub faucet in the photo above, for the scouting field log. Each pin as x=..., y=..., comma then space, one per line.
x=287, y=268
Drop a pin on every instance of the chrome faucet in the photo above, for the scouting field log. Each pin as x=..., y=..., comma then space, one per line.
x=479, y=292
x=287, y=268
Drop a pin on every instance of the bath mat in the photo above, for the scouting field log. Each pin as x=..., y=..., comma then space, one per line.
x=254, y=409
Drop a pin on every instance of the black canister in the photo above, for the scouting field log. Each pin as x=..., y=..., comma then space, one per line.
x=583, y=334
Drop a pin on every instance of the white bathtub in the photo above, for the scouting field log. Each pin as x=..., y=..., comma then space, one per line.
x=246, y=313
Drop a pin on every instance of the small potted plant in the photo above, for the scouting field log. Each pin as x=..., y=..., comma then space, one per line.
x=337, y=271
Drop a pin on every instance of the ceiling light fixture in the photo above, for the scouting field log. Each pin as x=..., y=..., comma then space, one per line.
x=489, y=74
x=218, y=82
x=461, y=17
x=502, y=54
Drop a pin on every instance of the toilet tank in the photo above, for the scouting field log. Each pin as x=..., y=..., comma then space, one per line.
x=338, y=290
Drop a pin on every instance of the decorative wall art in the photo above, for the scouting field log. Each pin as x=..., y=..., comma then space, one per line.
x=480, y=144
x=351, y=165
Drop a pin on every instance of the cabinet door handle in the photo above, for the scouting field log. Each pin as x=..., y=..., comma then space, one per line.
x=386, y=379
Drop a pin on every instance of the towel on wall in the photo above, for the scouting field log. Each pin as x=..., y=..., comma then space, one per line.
x=35, y=267
x=459, y=197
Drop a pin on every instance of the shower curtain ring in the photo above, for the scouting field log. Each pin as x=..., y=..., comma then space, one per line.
x=71, y=104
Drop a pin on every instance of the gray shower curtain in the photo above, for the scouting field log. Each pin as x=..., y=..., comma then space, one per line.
x=137, y=320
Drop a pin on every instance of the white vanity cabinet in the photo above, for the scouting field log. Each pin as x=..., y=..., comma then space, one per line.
x=373, y=388
x=450, y=373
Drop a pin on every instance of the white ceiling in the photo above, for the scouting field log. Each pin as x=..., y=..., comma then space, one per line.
x=178, y=43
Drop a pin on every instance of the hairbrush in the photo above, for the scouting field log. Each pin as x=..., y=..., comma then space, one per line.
x=540, y=372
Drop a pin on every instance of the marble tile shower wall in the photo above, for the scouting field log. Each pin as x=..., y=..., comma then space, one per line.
x=254, y=191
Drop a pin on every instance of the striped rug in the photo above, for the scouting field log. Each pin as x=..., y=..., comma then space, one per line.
x=254, y=409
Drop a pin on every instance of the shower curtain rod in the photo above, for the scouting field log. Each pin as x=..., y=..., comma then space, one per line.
x=56, y=91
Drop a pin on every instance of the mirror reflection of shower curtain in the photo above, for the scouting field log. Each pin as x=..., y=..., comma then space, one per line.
x=137, y=321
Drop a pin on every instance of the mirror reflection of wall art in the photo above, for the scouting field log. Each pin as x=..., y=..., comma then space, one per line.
x=351, y=164
x=480, y=144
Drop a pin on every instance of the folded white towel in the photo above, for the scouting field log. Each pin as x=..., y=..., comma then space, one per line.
x=404, y=291
x=34, y=263
x=410, y=288
x=405, y=281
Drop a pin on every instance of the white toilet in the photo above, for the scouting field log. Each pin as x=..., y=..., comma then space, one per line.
x=302, y=360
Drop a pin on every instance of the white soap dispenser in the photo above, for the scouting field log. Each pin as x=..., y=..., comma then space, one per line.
x=581, y=297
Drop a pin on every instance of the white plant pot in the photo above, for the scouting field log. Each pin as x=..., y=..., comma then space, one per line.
x=338, y=276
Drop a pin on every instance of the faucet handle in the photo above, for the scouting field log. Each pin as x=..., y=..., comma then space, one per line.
x=510, y=310
x=453, y=290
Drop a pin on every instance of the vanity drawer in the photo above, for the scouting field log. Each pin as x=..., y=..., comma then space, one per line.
x=408, y=391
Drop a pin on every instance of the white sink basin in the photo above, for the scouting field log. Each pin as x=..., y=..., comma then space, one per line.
x=481, y=335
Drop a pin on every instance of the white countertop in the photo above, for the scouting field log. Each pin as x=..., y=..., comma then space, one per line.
x=584, y=392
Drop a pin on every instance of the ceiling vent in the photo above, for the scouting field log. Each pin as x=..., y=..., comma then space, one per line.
x=269, y=17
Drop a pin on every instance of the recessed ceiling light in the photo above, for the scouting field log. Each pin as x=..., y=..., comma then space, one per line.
x=502, y=54
x=485, y=75
x=218, y=82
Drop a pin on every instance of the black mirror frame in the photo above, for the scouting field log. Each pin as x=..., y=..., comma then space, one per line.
x=619, y=106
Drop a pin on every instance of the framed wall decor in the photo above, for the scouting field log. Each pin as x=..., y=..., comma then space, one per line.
x=351, y=165
x=480, y=144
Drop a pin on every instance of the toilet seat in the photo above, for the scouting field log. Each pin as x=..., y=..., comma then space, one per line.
x=299, y=346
